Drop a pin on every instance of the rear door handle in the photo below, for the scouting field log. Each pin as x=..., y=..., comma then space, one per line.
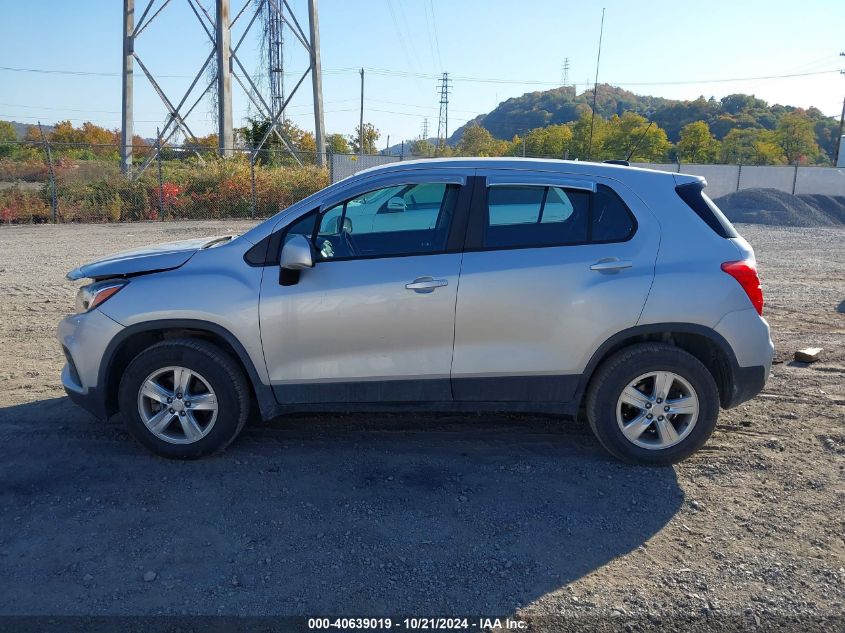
x=611, y=264
x=426, y=284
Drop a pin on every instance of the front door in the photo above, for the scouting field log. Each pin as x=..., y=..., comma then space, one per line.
x=373, y=320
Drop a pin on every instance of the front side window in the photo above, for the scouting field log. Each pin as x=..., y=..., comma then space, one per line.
x=396, y=220
x=535, y=216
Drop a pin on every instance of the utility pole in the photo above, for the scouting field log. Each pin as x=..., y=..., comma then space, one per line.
x=838, y=148
x=443, y=119
x=127, y=128
x=225, y=137
x=361, y=119
x=316, y=82
x=424, y=135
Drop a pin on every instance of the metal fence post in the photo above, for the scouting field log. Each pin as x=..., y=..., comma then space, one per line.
x=48, y=155
x=252, y=178
x=794, y=178
x=738, y=176
x=160, y=179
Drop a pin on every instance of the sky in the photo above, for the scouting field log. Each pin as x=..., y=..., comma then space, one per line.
x=492, y=50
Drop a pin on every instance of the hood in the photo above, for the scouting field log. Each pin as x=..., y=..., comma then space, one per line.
x=149, y=259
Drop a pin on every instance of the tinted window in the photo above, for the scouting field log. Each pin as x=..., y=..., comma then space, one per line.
x=304, y=226
x=398, y=220
x=693, y=194
x=535, y=216
x=612, y=222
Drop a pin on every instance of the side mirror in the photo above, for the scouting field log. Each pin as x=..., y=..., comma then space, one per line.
x=296, y=254
x=396, y=205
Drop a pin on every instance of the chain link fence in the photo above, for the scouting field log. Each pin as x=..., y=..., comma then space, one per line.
x=73, y=182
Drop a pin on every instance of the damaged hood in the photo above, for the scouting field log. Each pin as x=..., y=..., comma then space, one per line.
x=149, y=259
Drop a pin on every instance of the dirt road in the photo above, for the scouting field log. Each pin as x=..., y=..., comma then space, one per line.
x=423, y=515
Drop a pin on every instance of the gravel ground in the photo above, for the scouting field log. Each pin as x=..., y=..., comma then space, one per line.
x=420, y=514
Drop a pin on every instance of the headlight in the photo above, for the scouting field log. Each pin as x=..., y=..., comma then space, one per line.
x=92, y=295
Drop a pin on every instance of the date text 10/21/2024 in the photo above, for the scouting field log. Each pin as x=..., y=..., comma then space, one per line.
x=422, y=623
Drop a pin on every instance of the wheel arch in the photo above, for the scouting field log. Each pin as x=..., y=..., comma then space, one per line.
x=134, y=339
x=707, y=345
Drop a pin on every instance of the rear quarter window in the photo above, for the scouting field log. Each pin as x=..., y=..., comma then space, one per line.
x=695, y=198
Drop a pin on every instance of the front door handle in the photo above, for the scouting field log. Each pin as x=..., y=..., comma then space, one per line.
x=611, y=264
x=426, y=284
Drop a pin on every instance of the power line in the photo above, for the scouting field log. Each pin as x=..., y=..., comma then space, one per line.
x=460, y=78
x=436, y=39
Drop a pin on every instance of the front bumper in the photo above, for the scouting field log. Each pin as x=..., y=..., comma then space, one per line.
x=84, y=339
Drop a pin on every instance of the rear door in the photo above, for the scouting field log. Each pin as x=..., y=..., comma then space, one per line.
x=554, y=265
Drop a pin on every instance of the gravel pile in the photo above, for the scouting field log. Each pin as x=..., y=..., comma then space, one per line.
x=778, y=208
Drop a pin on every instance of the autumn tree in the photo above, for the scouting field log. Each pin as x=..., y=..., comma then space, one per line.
x=421, y=147
x=752, y=146
x=553, y=140
x=8, y=138
x=337, y=144
x=581, y=145
x=696, y=143
x=633, y=137
x=371, y=135
x=477, y=141
x=795, y=136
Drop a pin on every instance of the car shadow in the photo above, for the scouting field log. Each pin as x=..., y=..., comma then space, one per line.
x=326, y=514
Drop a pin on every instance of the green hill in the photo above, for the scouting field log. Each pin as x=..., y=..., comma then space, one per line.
x=562, y=105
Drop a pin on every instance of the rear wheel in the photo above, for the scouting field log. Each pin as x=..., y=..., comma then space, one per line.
x=652, y=403
x=184, y=398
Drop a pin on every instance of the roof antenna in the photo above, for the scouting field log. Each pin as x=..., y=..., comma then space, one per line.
x=595, y=89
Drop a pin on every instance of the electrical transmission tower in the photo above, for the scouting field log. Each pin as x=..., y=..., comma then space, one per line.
x=564, y=73
x=228, y=66
x=274, y=28
x=424, y=135
x=443, y=85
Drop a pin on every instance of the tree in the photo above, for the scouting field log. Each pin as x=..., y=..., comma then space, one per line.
x=8, y=138
x=421, y=147
x=795, y=136
x=478, y=141
x=554, y=140
x=697, y=144
x=631, y=135
x=336, y=144
x=371, y=135
x=751, y=147
x=580, y=146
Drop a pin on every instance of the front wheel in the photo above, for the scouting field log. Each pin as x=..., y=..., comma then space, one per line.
x=184, y=398
x=652, y=403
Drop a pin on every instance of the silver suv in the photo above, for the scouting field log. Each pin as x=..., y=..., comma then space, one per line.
x=437, y=285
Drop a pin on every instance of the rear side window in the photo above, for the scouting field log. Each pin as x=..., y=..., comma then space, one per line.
x=693, y=194
x=529, y=216
x=535, y=216
x=611, y=220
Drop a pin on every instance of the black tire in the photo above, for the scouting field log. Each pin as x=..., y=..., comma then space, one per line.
x=217, y=367
x=618, y=371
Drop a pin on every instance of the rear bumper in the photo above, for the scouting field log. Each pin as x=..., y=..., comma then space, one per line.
x=747, y=383
x=749, y=337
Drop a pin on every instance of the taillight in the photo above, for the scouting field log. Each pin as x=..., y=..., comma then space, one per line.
x=745, y=272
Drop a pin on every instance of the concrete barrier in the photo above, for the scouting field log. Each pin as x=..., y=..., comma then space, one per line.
x=725, y=179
